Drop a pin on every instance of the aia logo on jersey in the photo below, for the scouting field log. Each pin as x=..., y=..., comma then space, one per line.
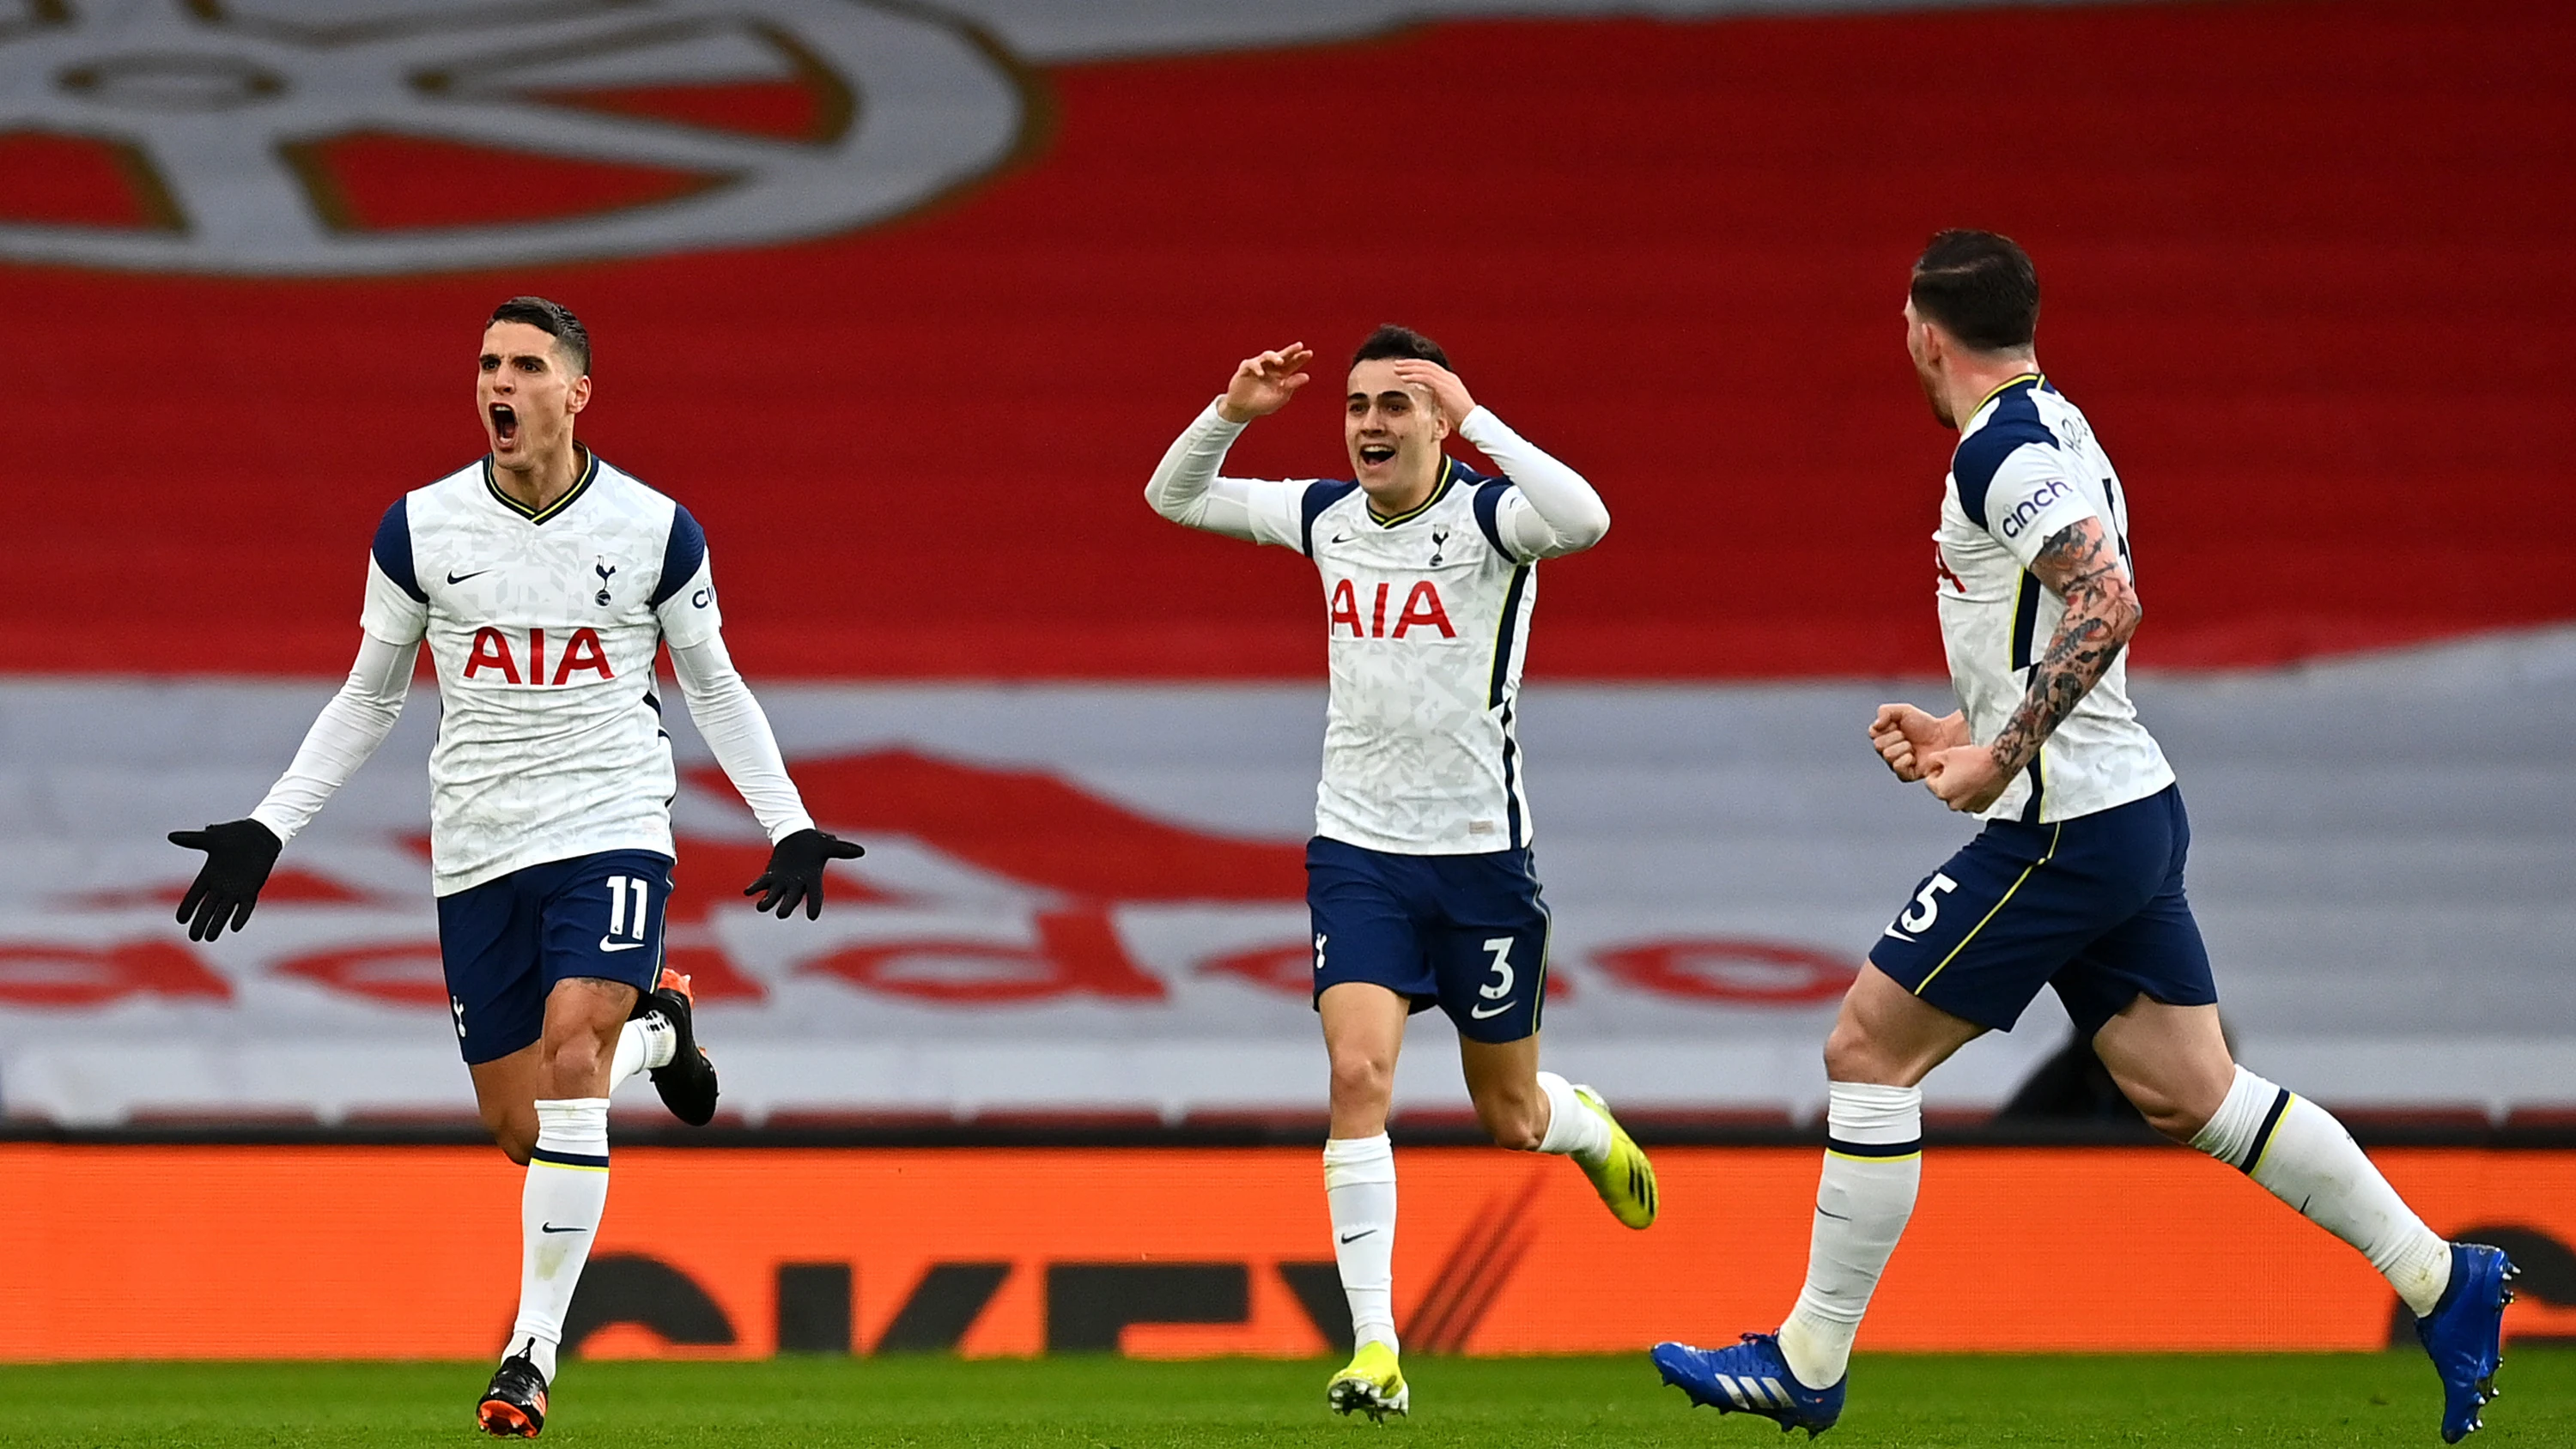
x=1422, y=610
x=492, y=651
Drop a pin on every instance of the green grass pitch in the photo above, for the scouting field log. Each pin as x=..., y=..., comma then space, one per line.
x=2258, y=1402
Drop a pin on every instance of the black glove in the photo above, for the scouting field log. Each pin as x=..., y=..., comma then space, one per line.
x=796, y=872
x=239, y=854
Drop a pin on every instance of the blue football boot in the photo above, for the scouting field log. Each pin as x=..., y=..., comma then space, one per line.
x=2464, y=1333
x=1750, y=1378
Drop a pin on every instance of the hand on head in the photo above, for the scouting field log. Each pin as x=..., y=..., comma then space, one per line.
x=1262, y=385
x=1441, y=383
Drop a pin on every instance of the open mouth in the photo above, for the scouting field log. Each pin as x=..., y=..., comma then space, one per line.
x=1377, y=455
x=505, y=422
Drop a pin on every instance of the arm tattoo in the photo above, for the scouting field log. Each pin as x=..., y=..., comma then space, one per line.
x=2081, y=565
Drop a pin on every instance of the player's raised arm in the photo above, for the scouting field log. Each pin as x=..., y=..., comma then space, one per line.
x=736, y=729
x=240, y=853
x=1552, y=510
x=1185, y=487
x=2079, y=563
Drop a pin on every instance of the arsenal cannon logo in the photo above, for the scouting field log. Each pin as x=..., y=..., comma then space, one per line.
x=299, y=138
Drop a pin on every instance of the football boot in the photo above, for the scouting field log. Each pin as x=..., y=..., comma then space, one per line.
x=1373, y=1384
x=2464, y=1334
x=1625, y=1179
x=514, y=1407
x=1750, y=1378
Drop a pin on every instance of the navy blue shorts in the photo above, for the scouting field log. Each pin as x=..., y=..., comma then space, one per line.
x=1465, y=932
x=507, y=942
x=2093, y=906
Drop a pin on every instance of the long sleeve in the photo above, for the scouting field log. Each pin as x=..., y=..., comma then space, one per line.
x=1552, y=511
x=1185, y=488
x=347, y=731
x=731, y=720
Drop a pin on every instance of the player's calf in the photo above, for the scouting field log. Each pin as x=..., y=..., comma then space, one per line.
x=1515, y=1114
x=2304, y=1157
x=514, y=1129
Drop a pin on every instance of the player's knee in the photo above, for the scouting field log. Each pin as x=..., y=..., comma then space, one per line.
x=574, y=1064
x=1362, y=1076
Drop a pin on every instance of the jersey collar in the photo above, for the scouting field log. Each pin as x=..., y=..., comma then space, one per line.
x=590, y=470
x=1448, y=477
x=2027, y=379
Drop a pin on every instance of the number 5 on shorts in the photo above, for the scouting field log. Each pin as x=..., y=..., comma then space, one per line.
x=1927, y=905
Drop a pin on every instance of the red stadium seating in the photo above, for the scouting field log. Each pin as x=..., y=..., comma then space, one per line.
x=2308, y=267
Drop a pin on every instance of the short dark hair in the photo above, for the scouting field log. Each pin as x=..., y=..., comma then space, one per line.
x=553, y=319
x=1980, y=288
x=1391, y=341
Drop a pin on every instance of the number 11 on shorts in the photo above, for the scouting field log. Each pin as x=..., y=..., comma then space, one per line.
x=622, y=922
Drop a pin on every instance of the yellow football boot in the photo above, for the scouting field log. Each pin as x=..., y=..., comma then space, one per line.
x=1625, y=1179
x=1373, y=1384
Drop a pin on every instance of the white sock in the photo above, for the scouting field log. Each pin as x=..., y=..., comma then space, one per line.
x=646, y=1042
x=1359, y=1183
x=1873, y=1164
x=559, y=1211
x=2302, y=1156
x=1573, y=1130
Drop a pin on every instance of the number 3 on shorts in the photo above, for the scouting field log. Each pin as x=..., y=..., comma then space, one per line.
x=1927, y=905
x=1501, y=985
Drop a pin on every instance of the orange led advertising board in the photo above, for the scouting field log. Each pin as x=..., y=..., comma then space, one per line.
x=369, y=1252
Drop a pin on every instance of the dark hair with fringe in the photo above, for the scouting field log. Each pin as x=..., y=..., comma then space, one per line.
x=1980, y=288
x=1391, y=341
x=556, y=321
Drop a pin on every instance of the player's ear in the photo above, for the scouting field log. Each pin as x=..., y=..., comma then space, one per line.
x=577, y=396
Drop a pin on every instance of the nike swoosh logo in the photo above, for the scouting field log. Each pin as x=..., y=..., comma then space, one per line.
x=1899, y=935
x=457, y=578
x=1481, y=1013
x=609, y=944
x=1355, y=1237
x=1341, y=538
x=551, y=1228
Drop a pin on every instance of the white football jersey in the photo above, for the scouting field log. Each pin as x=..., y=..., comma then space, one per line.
x=2027, y=466
x=1428, y=615
x=543, y=627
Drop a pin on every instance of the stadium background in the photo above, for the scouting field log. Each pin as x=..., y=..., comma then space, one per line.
x=2303, y=261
